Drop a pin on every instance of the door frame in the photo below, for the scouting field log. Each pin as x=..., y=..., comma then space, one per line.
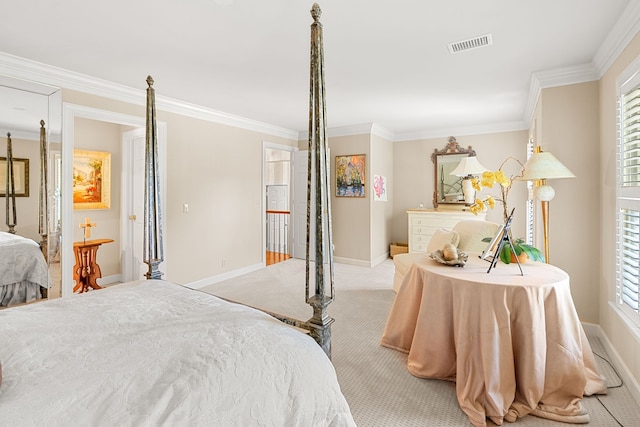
x=273, y=146
x=69, y=114
x=126, y=225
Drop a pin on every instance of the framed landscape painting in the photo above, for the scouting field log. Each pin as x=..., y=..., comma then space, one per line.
x=351, y=175
x=91, y=179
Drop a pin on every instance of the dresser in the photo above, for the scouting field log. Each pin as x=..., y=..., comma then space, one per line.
x=424, y=222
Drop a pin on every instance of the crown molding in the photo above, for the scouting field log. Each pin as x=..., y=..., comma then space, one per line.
x=462, y=130
x=566, y=76
x=24, y=69
x=626, y=28
x=554, y=78
x=19, y=134
x=382, y=132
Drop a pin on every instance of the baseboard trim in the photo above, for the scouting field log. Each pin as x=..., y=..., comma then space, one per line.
x=351, y=261
x=623, y=370
x=198, y=284
x=360, y=262
x=109, y=280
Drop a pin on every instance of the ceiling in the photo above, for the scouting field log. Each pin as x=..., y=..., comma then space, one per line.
x=386, y=61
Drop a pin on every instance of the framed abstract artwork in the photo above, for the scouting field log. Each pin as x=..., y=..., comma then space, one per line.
x=351, y=175
x=380, y=188
x=91, y=179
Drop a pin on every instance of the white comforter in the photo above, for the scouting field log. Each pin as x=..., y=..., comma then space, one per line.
x=154, y=353
x=20, y=260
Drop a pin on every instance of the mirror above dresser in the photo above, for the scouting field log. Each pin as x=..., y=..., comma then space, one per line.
x=448, y=188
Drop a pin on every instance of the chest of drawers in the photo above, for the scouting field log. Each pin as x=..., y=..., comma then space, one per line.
x=424, y=222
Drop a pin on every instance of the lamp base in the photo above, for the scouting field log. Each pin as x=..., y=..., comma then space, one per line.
x=544, y=193
x=468, y=191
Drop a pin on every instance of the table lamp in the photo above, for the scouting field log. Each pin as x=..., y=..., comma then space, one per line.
x=543, y=166
x=467, y=168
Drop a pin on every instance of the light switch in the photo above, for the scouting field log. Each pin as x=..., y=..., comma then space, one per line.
x=185, y=207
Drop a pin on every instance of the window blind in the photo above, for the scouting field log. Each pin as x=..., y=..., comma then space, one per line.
x=628, y=199
x=530, y=207
x=629, y=265
x=630, y=149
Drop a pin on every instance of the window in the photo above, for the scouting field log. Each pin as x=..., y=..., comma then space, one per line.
x=530, y=208
x=628, y=197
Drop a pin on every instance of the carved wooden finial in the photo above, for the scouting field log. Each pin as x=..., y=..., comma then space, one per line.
x=150, y=81
x=41, y=123
x=316, y=12
x=8, y=134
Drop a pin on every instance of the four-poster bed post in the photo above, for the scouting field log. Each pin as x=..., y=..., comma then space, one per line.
x=43, y=219
x=10, y=190
x=318, y=163
x=152, y=252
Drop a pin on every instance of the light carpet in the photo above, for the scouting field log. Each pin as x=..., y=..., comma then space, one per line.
x=374, y=379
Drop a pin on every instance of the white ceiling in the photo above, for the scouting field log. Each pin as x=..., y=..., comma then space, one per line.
x=386, y=61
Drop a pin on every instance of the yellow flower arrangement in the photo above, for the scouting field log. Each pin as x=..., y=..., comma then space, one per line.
x=488, y=180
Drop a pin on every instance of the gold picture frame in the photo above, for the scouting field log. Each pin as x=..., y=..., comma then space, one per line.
x=91, y=180
x=20, y=176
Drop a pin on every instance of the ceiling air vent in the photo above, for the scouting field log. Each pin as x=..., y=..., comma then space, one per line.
x=473, y=43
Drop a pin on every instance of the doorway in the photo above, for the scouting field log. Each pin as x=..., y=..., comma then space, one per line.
x=277, y=165
x=70, y=113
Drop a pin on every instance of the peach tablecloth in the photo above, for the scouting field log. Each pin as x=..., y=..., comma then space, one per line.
x=513, y=344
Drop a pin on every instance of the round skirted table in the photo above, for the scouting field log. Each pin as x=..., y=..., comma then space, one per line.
x=513, y=343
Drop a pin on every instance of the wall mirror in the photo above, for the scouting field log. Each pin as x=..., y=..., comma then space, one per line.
x=23, y=104
x=448, y=188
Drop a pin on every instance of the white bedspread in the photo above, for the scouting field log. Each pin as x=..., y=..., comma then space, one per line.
x=21, y=259
x=153, y=353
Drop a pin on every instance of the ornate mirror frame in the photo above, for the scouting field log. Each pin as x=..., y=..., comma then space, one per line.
x=445, y=185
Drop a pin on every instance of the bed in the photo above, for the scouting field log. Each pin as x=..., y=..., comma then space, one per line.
x=153, y=352
x=156, y=353
x=24, y=273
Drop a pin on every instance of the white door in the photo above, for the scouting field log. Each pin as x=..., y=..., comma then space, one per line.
x=133, y=149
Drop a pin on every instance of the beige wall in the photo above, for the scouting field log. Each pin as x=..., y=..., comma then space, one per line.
x=217, y=170
x=381, y=163
x=414, y=175
x=624, y=338
x=27, y=208
x=568, y=127
x=351, y=216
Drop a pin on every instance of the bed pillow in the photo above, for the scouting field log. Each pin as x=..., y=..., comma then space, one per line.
x=441, y=237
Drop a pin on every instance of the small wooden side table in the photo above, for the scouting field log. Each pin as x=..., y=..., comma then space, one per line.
x=87, y=270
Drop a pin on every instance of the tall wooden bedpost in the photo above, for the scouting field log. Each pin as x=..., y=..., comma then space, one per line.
x=10, y=190
x=43, y=220
x=318, y=165
x=152, y=252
